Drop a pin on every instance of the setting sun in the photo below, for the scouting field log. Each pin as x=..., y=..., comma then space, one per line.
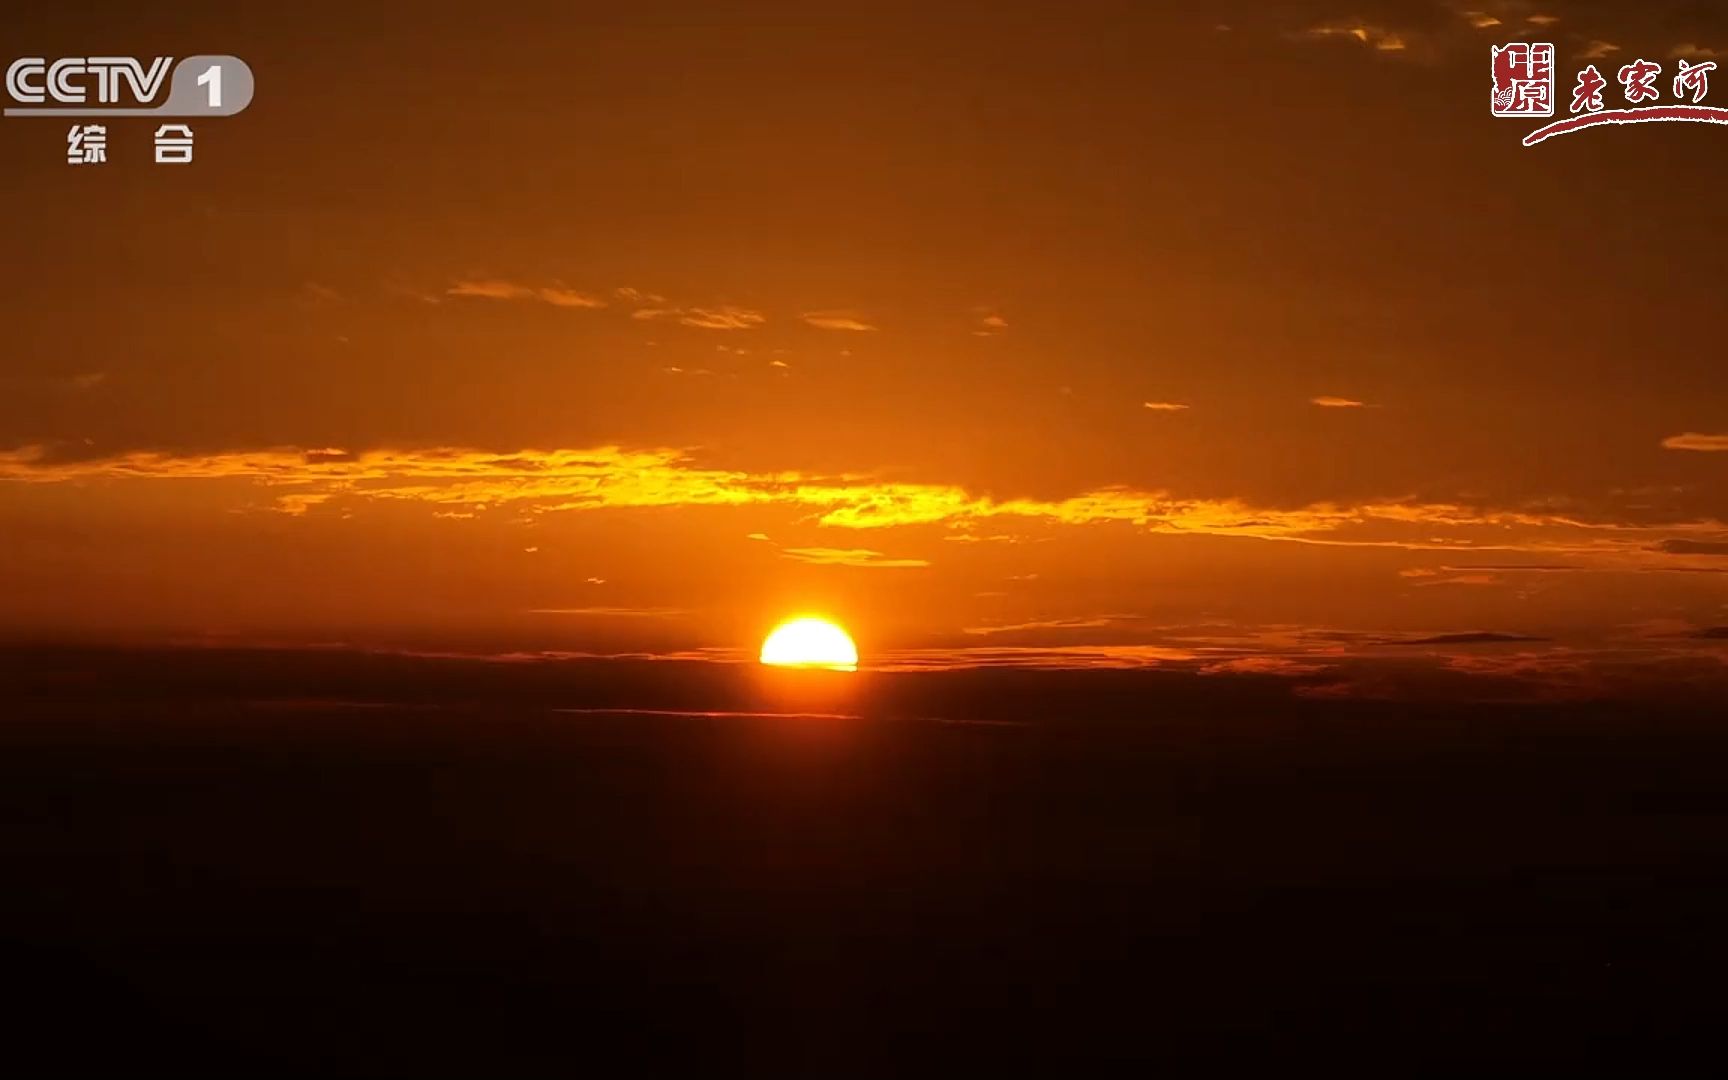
x=810, y=642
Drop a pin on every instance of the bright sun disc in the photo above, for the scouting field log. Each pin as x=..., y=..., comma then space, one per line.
x=814, y=643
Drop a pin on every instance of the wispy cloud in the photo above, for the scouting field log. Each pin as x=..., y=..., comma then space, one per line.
x=558, y=296
x=822, y=556
x=1692, y=440
x=493, y=289
x=1378, y=38
x=1682, y=546
x=1084, y=622
x=613, y=612
x=540, y=482
x=1427, y=578
x=1056, y=657
x=1472, y=637
x=1598, y=49
x=724, y=317
x=836, y=320
x=1690, y=51
x=987, y=322
x=1514, y=568
x=1327, y=401
x=1491, y=573
x=1164, y=406
x=1283, y=666
x=297, y=503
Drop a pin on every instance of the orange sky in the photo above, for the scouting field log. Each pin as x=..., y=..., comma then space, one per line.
x=1081, y=333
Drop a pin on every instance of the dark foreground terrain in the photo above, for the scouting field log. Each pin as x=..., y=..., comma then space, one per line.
x=316, y=863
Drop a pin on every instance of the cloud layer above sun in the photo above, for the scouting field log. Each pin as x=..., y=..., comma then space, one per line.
x=546, y=482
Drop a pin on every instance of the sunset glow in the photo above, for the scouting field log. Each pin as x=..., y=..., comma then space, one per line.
x=809, y=539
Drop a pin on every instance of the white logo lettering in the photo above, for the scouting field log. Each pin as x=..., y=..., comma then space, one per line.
x=31, y=80
x=17, y=87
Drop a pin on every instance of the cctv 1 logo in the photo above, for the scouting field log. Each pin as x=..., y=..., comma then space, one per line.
x=124, y=86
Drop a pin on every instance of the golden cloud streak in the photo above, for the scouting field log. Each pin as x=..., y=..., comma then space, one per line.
x=726, y=317
x=556, y=295
x=1693, y=440
x=823, y=556
x=1375, y=37
x=455, y=480
x=837, y=320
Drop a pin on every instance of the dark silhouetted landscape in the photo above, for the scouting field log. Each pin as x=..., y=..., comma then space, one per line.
x=327, y=862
